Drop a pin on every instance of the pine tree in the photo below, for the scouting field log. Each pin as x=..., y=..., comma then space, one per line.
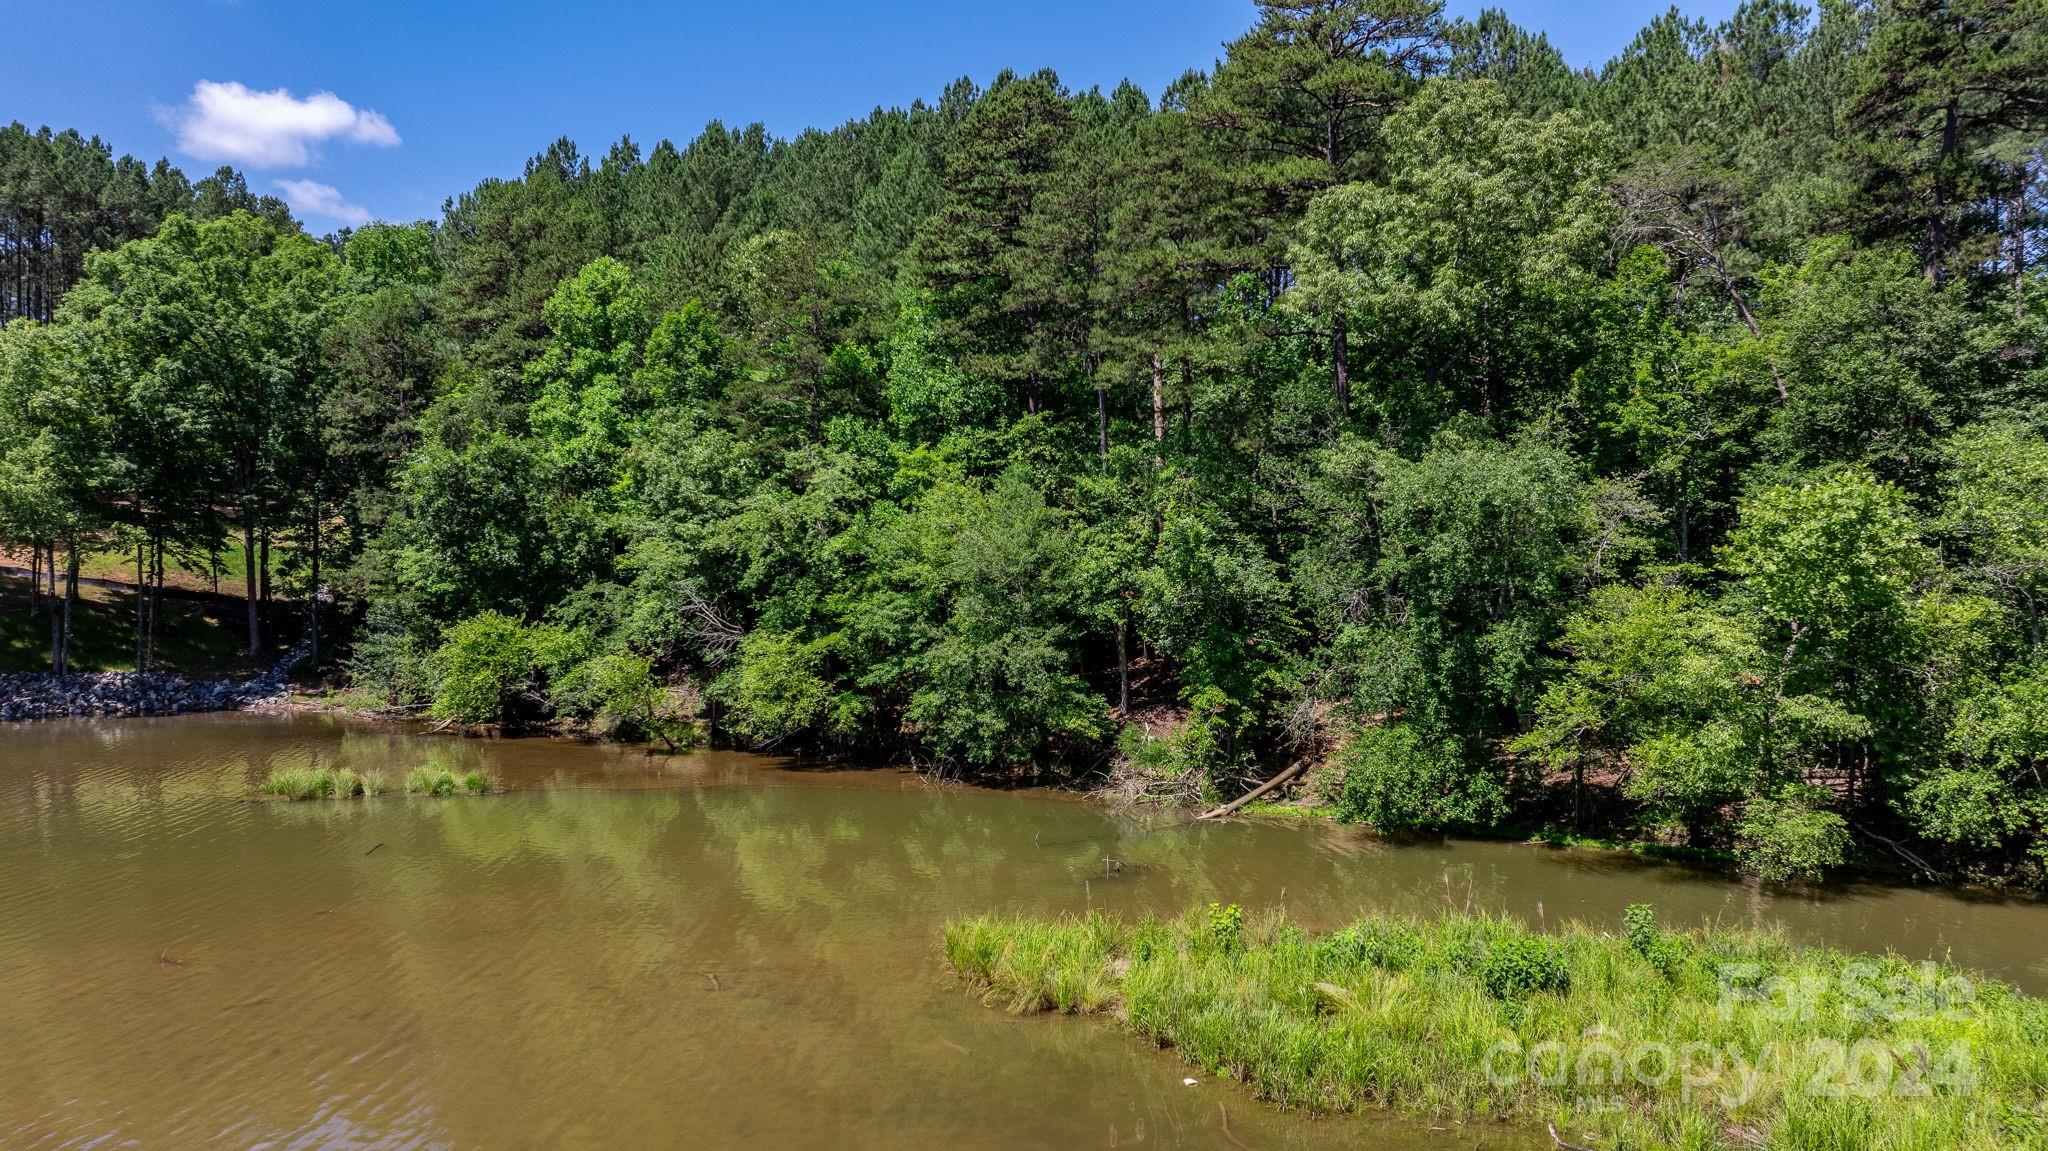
x=1303, y=94
x=1943, y=82
x=976, y=254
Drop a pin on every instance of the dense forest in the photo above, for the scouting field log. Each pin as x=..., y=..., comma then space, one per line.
x=1658, y=452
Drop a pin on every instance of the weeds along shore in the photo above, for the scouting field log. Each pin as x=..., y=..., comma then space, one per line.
x=1633, y=1038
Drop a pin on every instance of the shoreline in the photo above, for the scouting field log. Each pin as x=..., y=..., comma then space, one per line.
x=27, y=696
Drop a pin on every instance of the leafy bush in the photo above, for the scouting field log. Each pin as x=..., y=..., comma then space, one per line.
x=1399, y=778
x=1521, y=964
x=1384, y=945
x=776, y=689
x=1639, y=924
x=1792, y=835
x=482, y=668
x=1971, y=807
x=619, y=696
x=1226, y=927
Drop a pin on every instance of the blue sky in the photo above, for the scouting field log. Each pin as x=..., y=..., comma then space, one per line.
x=425, y=97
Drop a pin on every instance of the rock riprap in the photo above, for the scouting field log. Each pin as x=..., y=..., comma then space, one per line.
x=40, y=695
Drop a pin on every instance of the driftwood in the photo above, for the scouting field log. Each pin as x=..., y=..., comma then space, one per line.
x=1563, y=1144
x=1897, y=847
x=1277, y=781
x=1234, y=1140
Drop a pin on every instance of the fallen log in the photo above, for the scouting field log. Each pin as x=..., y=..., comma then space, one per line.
x=1277, y=781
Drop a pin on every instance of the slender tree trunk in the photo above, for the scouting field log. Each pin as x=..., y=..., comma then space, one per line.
x=156, y=598
x=1937, y=221
x=35, y=579
x=1123, y=664
x=2016, y=240
x=1340, y=362
x=1158, y=411
x=141, y=613
x=313, y=587
x=1101, y=424
x=249, y=574
x=263, y=563
x=56, y=620
x=70, y=598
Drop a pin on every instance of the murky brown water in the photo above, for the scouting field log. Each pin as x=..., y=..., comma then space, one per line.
x=716, y=950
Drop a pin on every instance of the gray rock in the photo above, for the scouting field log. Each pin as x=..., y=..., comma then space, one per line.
x=40, y=695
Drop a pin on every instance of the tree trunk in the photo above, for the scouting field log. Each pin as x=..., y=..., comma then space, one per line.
x=35, y=579
x=70, y=598
x=313, y=588
x=1158, y=410
x=2016, y=239
x=156, y=598
x=1937, y=221
x=1340, y=363
x=141, y=613
x=1101, y=423
x=249, y=575
x=56, y=620
x=1123, y=665
x=263, y=563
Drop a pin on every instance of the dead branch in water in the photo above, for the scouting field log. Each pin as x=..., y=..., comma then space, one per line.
x=1277, y=781
x=1225, y=1112
x=1562, y=1144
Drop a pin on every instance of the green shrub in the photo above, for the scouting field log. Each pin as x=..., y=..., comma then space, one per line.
x=1519, y=965
x=481, y=669
x=1186, y=763
x=1639, y=925
x=1401, y=778
x=619, y=696
x=1792, y=835
x=1386, y=946
x=776, y=689
x=1226, y=927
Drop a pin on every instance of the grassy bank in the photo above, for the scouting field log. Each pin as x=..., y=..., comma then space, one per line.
x=1637, y=1038
x=199, y=635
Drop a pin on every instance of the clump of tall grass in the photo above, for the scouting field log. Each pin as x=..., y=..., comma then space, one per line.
x=301, y=783
x=439, y=781
x=1642, y=1039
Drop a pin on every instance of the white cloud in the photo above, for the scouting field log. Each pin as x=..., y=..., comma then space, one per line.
x=269, y=129
x=312, y=198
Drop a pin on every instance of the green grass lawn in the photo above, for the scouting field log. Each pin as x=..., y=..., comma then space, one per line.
x=200, y=636
x=119, y=566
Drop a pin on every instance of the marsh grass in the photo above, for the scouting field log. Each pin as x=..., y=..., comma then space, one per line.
x=439, y=781
x=1472, y=1017
x=305, y=783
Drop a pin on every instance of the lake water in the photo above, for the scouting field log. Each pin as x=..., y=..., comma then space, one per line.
x=709, y=950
